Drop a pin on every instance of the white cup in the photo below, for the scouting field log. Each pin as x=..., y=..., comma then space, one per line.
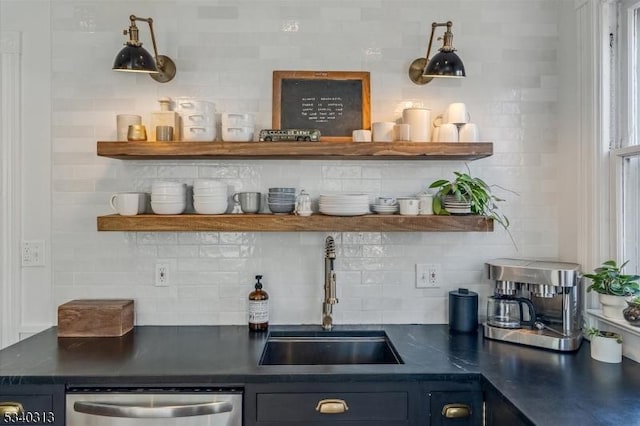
x=425, y=204
x=383, y=131
x=402, y=132
x=409, y=206
x=128, y=203
x=385, y=201
x=457, y=113
x=419, y=120
x=448, y=133
x=361, y=135
x=123, y=121
x=468, y=133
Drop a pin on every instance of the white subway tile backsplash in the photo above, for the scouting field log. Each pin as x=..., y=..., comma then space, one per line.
x=243, y=42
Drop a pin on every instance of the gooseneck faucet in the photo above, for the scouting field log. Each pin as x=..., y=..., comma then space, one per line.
x=329, y=284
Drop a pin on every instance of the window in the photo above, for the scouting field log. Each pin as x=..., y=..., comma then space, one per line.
x=625, y=148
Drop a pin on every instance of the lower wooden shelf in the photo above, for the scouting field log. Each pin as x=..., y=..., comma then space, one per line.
x=292, y=223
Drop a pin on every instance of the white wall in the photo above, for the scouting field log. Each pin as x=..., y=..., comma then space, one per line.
x=519, y=84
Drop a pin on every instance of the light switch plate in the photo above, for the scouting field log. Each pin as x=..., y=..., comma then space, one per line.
x=33, y=253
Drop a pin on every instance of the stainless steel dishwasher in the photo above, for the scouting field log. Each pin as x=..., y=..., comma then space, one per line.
x=205, y=406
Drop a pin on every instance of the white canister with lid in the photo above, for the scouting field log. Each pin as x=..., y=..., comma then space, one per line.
x=419, y=120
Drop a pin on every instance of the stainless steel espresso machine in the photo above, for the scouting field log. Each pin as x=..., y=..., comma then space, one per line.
x=535, y=303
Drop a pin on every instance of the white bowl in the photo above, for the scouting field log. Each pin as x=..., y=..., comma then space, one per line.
x=168, y=208
x=209, y=183
x=237, y=134
x=199, y=133
x=168, y=198
x=186, y=105
x=218, y=200
x=237, y=119
x=168, y=184
x=210, y=208
x=221, y=191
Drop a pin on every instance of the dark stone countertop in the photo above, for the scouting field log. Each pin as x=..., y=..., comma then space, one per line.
x=549, y=388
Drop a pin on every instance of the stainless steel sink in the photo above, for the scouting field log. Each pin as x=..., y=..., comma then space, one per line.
x=328, y=348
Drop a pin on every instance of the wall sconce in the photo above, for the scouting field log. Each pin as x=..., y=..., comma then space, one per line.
x=445, y=63
x=134, y=58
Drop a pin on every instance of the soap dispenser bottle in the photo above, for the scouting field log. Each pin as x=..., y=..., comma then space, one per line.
x=165, y=117
x=258, y=307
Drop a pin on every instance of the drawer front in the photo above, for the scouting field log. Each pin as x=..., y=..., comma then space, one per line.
x=358, y=406
x=41, y=405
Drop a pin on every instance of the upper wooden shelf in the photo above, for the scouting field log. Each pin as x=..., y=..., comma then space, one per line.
x=296, y=150
x=292, y=223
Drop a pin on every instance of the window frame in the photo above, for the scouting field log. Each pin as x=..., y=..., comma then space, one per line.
x=626, y=106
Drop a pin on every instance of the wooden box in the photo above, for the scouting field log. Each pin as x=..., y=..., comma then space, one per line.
x=95, y=318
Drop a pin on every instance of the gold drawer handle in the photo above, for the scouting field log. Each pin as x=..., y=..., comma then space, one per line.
x=10, y=408
x=456, y=411
x=331, y=406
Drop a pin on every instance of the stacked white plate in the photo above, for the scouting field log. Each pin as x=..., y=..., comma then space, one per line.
x=454, y=206
x=344, y=204
x=168, y=197
x=385, y=208
x=210, y=196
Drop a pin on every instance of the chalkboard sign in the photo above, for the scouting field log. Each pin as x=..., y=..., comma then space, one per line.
x=335, y=102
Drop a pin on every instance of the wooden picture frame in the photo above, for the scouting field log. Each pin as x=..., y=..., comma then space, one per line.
x=335, y=102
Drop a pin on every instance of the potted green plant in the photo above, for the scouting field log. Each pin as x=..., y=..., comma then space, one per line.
x=613, y=286
x=606, y=346
x=467, y=189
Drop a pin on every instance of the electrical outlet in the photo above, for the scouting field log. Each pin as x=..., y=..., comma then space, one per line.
x=33, y=253
x=427, y=275
x=162, y=275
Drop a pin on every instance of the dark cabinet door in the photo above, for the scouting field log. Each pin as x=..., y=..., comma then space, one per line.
x=32, y=405
x=500, y=412
x=456, y=408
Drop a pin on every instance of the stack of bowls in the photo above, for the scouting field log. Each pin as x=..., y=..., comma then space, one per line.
x=237, y=127
x=282, y=200
x=210, y=196
x=168, y=197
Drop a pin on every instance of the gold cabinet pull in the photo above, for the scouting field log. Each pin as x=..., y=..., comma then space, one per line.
x=331, y=406
x=9, y=407
x=456, y=411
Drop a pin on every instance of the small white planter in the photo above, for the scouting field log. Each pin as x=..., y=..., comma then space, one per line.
x=612, y=306
x=606, y=349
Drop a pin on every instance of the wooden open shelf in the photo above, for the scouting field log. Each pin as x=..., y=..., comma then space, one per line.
x=295, y=150
x=292, y=223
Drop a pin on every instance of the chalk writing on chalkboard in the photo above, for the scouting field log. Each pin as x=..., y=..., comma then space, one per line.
x=336, y=103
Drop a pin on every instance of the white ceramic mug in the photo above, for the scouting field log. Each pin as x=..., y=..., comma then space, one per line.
x=123, y=121
x=128, y=203
x=402, y=132
x=383, y=131
x=361, y=135
x=468, y=133
x=409, y=206
x=448, y=133
x=419, y=119
x=457, y=113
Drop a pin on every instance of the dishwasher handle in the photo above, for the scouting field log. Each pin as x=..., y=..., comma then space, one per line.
x=151, y=411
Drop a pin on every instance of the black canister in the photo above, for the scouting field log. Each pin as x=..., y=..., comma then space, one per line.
x=463, y=311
